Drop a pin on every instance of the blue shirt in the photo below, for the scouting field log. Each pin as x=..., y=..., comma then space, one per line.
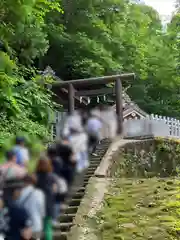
x=22, y=155
x=94, y=125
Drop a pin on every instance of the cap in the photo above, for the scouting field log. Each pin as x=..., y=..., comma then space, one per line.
x=20, y=139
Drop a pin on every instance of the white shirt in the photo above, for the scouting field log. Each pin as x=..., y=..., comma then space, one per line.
x=35, y=205
x=79, y=142
x=73, y=121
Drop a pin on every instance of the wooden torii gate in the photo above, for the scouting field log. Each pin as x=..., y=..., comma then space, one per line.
x=80, y=84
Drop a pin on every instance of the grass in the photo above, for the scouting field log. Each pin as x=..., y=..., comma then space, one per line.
x=140, y=209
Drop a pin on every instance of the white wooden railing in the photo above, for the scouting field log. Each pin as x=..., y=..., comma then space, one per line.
x=57, y=125
x=172, y=123
x=154, y=124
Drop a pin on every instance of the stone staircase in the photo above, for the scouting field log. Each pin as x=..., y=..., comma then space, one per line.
x=66, y=219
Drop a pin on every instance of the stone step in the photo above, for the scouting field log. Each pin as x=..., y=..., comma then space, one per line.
x=85, y=182
x=87, y=177
x=75, y=202
x=89, y=174
x=99, y=158
x=63, y=227
x=71, y=210
x=58, y=235
x=81, y=189
x=93, y=165
x=67, y=218
x=78, y=195
x=95, y=158
x=104, y=145
x=90, y=170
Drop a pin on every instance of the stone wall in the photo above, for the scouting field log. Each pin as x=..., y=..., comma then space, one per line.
x=147, y=158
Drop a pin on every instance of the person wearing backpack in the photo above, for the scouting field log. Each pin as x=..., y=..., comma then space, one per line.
x=10, y=169
x=17, y=222
x=93, y=128
x=33, y=200
x=48, y=184
x=22, y=153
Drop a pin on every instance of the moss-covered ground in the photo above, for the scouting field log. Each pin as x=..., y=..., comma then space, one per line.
x=141, y=209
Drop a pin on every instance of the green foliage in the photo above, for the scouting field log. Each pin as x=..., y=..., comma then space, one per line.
x=22, y=27
x=25, y=100
x=20, y=97
x=83, y=39
x=93, y=38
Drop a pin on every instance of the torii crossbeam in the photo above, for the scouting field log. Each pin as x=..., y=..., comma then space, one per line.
x=86, y=84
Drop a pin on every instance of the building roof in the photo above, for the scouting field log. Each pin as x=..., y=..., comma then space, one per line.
x=129, y=106
x=134, y=109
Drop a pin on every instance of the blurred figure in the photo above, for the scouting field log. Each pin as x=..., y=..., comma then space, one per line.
x=3, y=217
x=33, y=200
x=11, y=169
x=73, y=120
x=18, y=224
x=114, y=124
x=22, y=152
x=47, y=183
x=94, y=127
x=79, y=143
x=65, y=152
x=84, y=116
x=105, y=121
x=111, y=122
x=57, y=164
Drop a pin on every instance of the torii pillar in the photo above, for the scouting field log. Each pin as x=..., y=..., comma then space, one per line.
x=119, y=107
x=71, y=103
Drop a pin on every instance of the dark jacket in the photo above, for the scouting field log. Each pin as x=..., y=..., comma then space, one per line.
x=65, y=152
x=45, y=182
x=57, y=165
x=18, y=219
